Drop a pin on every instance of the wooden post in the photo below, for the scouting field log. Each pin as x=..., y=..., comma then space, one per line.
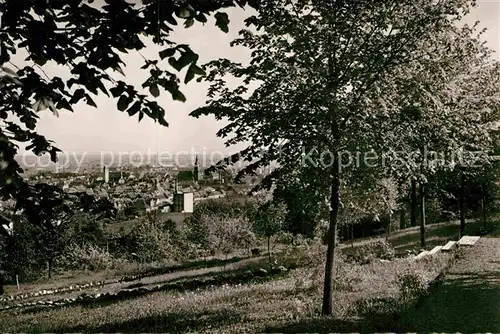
x=462, y=205
x=422, y=215
x=413, y=202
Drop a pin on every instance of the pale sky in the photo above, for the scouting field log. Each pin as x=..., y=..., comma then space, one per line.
x=107, y=129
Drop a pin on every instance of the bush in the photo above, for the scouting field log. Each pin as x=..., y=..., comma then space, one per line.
x=21, y=253
x=151, y=242
x=181, y=248
x=380, y=249
x=411, y=287
x=434, y=211
x=87, y=257
x=285, y=238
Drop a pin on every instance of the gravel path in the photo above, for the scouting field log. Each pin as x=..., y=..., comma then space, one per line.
x=468, y=300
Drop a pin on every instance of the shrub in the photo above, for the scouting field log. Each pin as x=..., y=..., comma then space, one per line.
x=285, y=238
x=150, y=242
x=434, y=210
x=181, y=249
x=87, y=257
x=411, y=287
x=20, y=253
x=380, y=249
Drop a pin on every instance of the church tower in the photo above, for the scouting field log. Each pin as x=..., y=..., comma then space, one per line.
x=196, y=170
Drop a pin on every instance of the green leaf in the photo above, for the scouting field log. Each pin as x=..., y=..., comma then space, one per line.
x=189, y=75
x=201, y=18
x=192, y=71
x=178, y=96
x=173, y=62
x=167, y=53
x=186, y=12
x=170, y=19
x=141, y=116
x=90, y=102
x=187, y=58
x=154, y=90
x=63, y=104
x=123, y=103
x=197, y=70
x=117, y=91
x=119, y=70
x=188, y=23
x=222, y=21
x=134, y=108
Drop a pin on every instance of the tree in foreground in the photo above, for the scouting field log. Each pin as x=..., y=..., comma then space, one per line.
x=304, y=97
x=444, y=110
x=89, y=39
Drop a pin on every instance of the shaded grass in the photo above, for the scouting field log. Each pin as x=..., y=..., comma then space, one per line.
x=467, y=300
x=173, y=322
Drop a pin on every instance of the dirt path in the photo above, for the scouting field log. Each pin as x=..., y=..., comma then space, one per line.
x=401, y=233
x=468, y=300
x=116, y=287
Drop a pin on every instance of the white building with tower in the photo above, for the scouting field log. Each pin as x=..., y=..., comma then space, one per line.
x=183, y=201
x=106, y=174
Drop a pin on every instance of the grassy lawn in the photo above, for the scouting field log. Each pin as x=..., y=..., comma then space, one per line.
x=282, y=305
x=401, y=240
x=291, y=303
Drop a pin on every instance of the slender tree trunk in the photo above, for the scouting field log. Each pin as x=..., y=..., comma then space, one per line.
x=49, y=267
x=402, y=219
x=413, y=199
x=1, y=284
x=351, y=231
x=422, y=215
x=483, y=208
x=462, y=205
x=331, y=241
x=269, y=249
x=388, y=228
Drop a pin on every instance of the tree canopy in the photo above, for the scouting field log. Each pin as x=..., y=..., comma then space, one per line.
x=321, y=76
x=89, y=38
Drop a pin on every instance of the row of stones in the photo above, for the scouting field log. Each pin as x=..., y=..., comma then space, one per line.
x=76, y=287
x=71, y=288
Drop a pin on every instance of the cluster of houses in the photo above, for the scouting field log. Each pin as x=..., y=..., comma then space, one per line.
x=136, y=190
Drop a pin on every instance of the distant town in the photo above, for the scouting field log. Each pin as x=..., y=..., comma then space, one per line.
x=134, y=189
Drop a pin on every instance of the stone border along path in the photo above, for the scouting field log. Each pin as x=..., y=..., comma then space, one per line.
x=464, y=241
x=45, y=292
